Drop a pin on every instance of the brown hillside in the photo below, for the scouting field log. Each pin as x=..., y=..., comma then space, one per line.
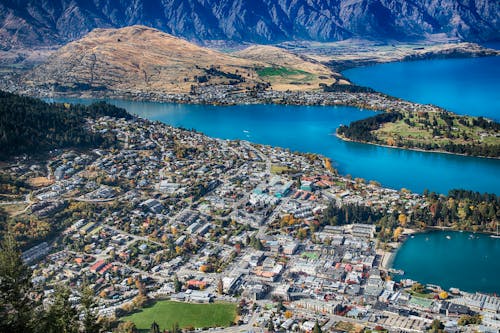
x=139, y=59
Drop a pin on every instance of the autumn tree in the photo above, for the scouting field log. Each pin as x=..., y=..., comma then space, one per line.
x=402, y=219
x=397, y=232
x=126, y=327
x=220, y=287
x=469, y=320
x=418, y=288
x=302, y=233
x=443, y=295
x=140, y=288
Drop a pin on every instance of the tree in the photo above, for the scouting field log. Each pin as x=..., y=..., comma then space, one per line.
x=280, y=306
x=90, y=320
x=436, y=326
x=302, y=233
x=443, y=295
x=397, y=233
x=469, y=320
x=418, y=288
x=317, y=328
x=270, y=326
x=177, y=284
x=220, y=287
x=15, y=285
x=402, y=219
x=140, y=287
x=154, y=328
x=126, y=327
x=61, y=316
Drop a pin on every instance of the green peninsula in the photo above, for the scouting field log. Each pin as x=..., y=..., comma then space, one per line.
x=439, y=131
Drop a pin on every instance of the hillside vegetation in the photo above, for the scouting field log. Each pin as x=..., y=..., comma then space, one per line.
x=29, y=125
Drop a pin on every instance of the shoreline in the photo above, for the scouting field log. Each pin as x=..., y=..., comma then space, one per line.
x=437, y=51
x=414, y=149
x=229, y=96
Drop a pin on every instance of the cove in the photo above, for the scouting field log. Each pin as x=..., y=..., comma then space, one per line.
x=462, y=260
x=311, y=128
x=465, y=86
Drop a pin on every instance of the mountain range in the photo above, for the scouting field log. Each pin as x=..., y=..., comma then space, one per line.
x=29, y=23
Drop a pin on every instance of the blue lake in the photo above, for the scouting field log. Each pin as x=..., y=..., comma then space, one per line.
x=310, y=129
x=462, y=260
x=466, y=86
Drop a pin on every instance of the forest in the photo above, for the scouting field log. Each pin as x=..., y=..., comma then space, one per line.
x=460, y=210
x=361, y=130
x=29, y=125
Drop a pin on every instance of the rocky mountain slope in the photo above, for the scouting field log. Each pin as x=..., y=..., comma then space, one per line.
x=27, y=23
x=139, y=59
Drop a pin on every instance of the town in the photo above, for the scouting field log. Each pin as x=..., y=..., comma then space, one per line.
x=174, y=214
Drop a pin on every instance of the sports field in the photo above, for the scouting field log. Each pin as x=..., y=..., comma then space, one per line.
x=167, y=313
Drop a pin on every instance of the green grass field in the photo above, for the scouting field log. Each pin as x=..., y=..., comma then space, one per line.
x=279, y=169
x=167, y=313
x=279, y=71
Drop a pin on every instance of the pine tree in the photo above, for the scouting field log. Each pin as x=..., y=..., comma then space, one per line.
x=90, y=319
x=317, y=328
x=177, y=284
x=154, y=328
x=61, y=316
x=16, y=306
x=270, y=326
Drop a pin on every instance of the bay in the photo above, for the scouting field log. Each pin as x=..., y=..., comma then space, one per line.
x=468, y=86
x=311, y=129
x=462, y=260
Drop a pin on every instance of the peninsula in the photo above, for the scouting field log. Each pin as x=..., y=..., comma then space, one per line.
x=438, y=131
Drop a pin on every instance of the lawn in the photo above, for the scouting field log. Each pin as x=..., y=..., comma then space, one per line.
x=279, y=169
x=348, y=327
x=167, y=313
